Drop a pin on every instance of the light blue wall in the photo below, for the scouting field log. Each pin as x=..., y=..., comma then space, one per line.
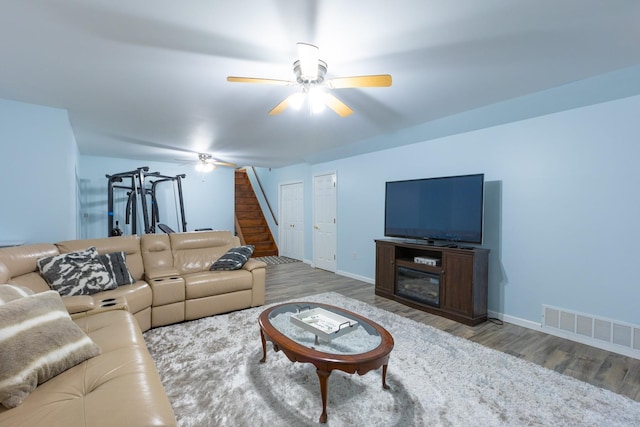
x=562, y=206
x=271, y=180
x=561, y=209
x=38, y=174
x=208, y=198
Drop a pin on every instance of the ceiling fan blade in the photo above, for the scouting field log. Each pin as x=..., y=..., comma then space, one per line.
x=220, y=163
x=378, y=80
x=336, y=105
x=235, y=79
x=183, y=161
x=280, y=107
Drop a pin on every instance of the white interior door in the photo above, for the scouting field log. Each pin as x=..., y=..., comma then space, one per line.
x=324, y=225
x=292, y=221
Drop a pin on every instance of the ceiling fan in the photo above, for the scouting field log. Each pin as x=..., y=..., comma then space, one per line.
x=310, y=72
x=207, y=163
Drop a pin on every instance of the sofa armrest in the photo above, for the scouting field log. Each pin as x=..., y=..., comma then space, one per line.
x=252, y=264
x=258, y=273
x=79, y=303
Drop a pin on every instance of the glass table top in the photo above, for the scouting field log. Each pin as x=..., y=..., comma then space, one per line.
x=360, y=338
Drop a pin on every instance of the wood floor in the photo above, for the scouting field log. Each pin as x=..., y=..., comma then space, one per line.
x=608, y=370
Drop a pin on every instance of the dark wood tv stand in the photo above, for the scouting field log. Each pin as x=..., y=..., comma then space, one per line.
x=462, y=273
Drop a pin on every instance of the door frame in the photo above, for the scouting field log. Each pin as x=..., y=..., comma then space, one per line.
x=313, y=219
x=281, y=223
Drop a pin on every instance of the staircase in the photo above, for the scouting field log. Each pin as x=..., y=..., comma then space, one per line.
x=251, y=225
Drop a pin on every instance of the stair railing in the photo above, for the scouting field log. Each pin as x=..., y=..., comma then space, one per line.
x=253, y=169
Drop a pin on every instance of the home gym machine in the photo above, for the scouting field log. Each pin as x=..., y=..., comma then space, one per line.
x=140, y=186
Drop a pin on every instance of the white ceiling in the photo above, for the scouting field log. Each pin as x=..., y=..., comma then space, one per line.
x=147, y=79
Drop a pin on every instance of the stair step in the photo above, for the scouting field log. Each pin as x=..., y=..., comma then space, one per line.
x=245, y=193
x=243, y=189
x=242, y=194
x=260, y=237
x=265, y=253
x=263, y=244
x=248, y=213
x=252, y=222
x=253, y=230
x=248, y=208
x=250, y=217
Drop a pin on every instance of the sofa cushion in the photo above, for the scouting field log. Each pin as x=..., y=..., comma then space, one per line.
x=116, y=265
x=18, y=265
x=38, y=340
x=120, y=387
x=194, y=252
x=13, y=292
x=129, y=244
x=209, y=283
x=234, y=258
x=76, y=273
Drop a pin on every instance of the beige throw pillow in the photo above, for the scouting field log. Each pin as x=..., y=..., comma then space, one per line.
x=38, y=340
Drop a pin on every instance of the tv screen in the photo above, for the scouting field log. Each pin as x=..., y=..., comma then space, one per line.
x=445, y=208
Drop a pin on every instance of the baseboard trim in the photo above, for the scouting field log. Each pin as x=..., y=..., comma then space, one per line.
x=571, y=337
x=356, y=277
x=515, y=320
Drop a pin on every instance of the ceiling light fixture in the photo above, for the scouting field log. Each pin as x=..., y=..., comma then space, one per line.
x=205, y=167
x=310, y=73
x=296, y=100
x=205, y=164
x=309, y=59
x=316, y=99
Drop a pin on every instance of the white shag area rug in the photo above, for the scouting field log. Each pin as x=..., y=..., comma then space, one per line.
x=211, y=372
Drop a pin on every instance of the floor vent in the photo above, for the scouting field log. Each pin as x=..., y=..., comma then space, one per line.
x=596, y=331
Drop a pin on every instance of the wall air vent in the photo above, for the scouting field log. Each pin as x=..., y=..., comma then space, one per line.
x=608, y=334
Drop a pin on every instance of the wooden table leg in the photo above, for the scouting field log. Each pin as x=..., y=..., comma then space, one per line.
x=384, y=378
x=264, y=347
x=323, y=376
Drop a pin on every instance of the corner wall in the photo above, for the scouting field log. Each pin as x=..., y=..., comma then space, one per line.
x=38, y=174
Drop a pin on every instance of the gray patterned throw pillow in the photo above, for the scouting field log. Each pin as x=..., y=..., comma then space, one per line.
x=76, y=273
x=234, y=259
x=116, y=265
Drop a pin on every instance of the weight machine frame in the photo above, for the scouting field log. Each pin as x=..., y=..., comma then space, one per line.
x=138, y=187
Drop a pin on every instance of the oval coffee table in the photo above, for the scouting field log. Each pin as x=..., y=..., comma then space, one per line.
x=362, y=348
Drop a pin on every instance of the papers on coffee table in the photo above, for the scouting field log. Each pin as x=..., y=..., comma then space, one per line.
x=323, y=323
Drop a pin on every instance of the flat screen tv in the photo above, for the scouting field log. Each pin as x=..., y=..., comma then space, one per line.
x=445, y=208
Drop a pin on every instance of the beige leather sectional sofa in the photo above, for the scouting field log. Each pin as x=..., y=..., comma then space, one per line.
x=173, y=283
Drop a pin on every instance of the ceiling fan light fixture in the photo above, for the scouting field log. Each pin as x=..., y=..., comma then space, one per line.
x=205, y=167
x=310, y=72
x=309, y=56
x=317, y=78
x=205, y=164
x=316, y=100
x=296, y=100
